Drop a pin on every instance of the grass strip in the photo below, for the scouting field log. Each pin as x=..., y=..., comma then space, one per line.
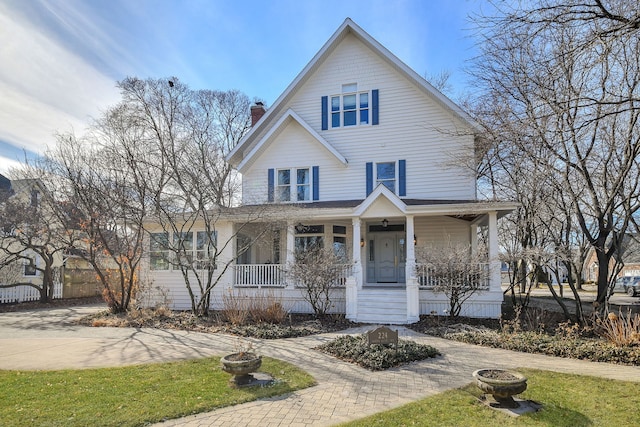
x=132, y=395
x=568, y=401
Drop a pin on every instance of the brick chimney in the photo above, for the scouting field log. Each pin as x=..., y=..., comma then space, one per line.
x=257, y=111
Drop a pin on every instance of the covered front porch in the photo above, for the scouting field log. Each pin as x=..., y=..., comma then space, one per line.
x=381, y=279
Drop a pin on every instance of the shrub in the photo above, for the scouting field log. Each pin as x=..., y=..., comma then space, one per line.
x=235, y=307
x=618, y=329
x=264, y=306
x=355, y=349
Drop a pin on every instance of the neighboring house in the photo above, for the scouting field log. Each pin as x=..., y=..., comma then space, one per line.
x=630, y=259
x=73, y=277
x=25, y=269
x=360, y=154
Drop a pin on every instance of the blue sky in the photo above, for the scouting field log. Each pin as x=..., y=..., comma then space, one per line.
x=60, y=59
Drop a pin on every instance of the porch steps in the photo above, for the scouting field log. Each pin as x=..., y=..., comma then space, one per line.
x=385, y=306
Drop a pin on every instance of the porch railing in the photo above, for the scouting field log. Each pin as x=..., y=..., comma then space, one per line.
x=260, y=275
x=275, y=275
x=476, y=276
x=344, y=271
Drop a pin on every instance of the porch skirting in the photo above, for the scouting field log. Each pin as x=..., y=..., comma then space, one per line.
x=376, y=306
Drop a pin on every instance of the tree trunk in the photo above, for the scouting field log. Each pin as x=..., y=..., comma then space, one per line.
x=603, y=276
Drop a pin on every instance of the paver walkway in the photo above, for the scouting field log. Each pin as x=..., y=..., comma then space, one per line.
x=45, y=339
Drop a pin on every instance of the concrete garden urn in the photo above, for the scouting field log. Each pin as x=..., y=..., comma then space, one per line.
x=241, y=365
x=502, y=385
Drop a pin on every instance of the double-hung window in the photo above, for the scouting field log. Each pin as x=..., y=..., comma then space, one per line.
x=183, y=244
x=392, y=175
x=350, y=108
x=303, y=184
x=293, y=184
x=284, y=185
x=300, y=191
x=159, y=251
x=206, y=243
x=386, y=175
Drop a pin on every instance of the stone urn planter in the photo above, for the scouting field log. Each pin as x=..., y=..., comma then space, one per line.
x=502, y=385
x=241, y=365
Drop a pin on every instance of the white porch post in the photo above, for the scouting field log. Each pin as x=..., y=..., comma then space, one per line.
x=494, y=261
x=413, y=292
x=473, y=238
x=354, y=282
x=291, y=243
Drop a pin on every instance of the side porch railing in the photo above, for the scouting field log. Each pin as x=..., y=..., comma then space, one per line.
x=275, y=275
x=477, y=276
x=260, y=275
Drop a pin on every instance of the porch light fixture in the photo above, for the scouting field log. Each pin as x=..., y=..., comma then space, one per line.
x=385, y=223
x=362, y=243
x=415, y=240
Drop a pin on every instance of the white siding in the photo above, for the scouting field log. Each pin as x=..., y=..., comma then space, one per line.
x=413, y=126
x=440, y=231
x=293, y=148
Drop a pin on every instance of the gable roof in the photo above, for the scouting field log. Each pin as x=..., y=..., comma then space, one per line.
x=282, y=122
x=236, y=155
x=381, y=193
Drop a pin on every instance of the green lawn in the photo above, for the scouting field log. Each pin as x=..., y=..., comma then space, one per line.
x=131, y=396
x=569, y=400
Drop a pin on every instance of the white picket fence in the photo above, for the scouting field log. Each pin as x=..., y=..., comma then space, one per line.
x=26, y=293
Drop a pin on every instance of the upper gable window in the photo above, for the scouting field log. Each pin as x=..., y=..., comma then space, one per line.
x=350, y=108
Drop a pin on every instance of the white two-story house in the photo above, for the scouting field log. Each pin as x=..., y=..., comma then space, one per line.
x=373, y=161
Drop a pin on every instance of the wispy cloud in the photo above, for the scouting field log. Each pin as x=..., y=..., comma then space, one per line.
x=60, y=59
x=46, y=87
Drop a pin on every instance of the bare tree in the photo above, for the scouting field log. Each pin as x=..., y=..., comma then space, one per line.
x=317, y=270
x=566, y=76
x=456, y=270
x=110, y=205
x=188, y=133
x=33, y=237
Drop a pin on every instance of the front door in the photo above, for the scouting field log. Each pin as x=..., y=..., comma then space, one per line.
x=386, y=261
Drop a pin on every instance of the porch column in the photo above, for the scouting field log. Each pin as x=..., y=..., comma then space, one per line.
x=291, y=243
x=473, y=238
x=357, y=252
x=354, y=282
x=494, y=261
x=413, y=292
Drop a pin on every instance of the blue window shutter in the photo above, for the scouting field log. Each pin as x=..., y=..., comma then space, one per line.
x=325, y=112
x=402, y=177
x=316, y=182
x=270, y=185
x=374, y=107
x=369, y=178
